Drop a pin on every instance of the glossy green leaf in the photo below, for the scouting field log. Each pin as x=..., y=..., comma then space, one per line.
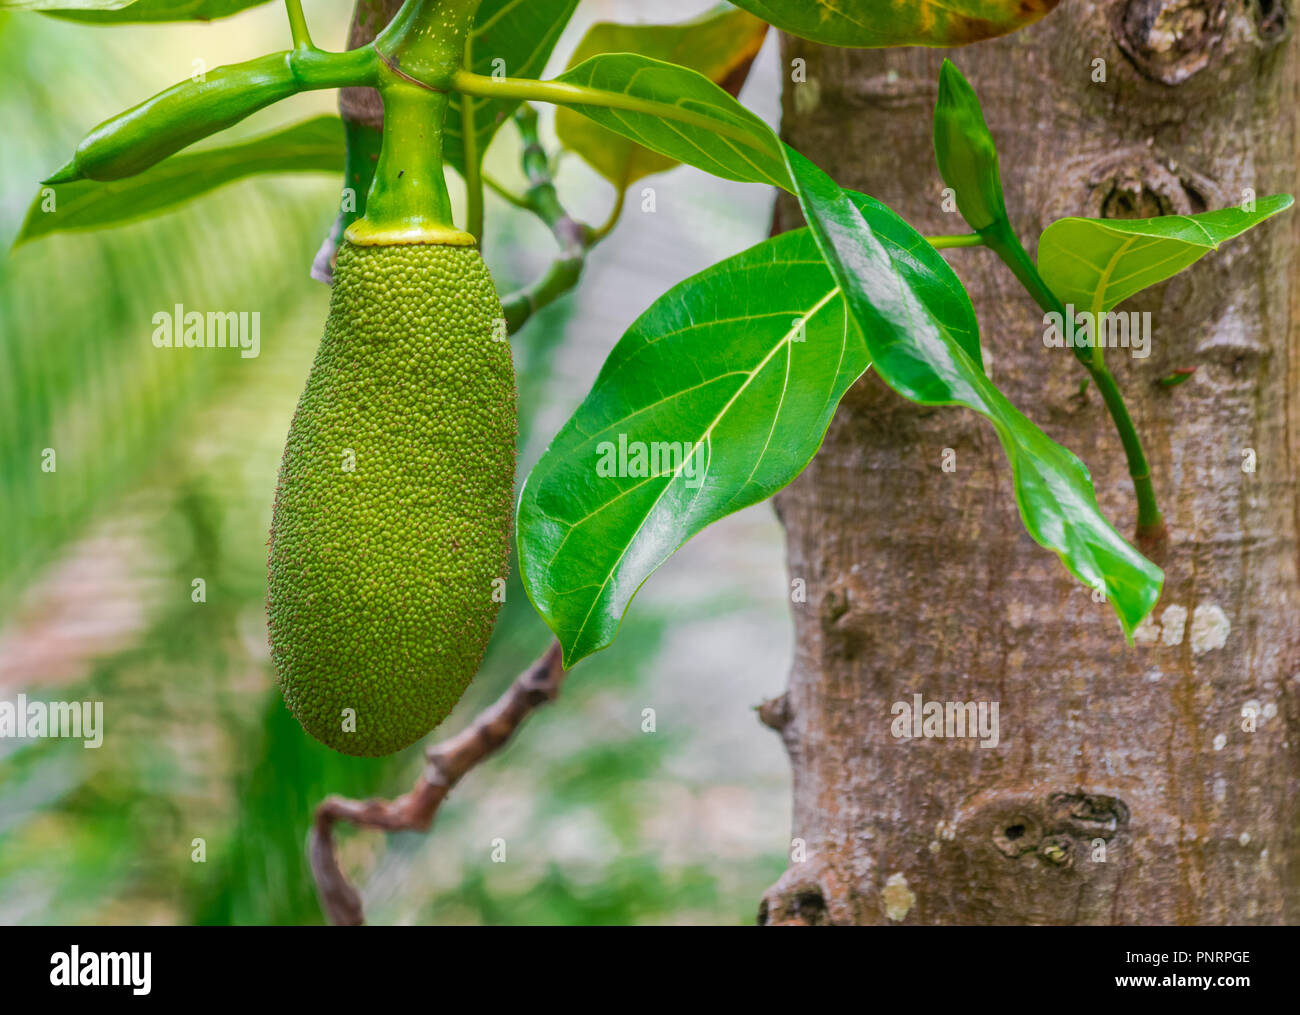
x=312, y=146
x=722, y=136
x=721, y=45
x=869, y=24
x=115, y=12
x=915, y=352
x=716, y=397
x=1096, y=264
x=514, y=38
x=918, y=340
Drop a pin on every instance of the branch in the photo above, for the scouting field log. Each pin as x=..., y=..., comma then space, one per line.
x=445, y=764
x=575, y=238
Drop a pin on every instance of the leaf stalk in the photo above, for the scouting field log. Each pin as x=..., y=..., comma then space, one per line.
x=949, y=242
x=1151, y=529
x=473, y=173
x=566, y=94
x=298, y=25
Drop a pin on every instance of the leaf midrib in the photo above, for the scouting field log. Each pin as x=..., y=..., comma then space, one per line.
x=705, y=437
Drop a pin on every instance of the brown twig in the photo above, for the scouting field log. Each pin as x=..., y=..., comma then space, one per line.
x=445, y=763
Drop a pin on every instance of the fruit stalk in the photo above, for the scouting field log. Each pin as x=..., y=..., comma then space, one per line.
x=420, y=52
x=408, y=200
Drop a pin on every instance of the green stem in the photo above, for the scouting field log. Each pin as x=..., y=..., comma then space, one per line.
x=607, y=227
x=1150, y=521
x=574, y=237
x=565, y=94
x=426, y=40
x=408, y=201
x=421, y=50
x=361, y=156
x=298, y=25
x=504, y=192
x=473, y=166
x=314, y=68
x=1003, y=241
x=948, y=242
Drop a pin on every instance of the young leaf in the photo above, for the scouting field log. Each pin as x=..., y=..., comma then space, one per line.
x=716, y=397
x=964, y=149
x=909, y=338
x=1096, y=264
x=510, y=37
x=722, y=136
x=869, y=24
x=721, y=45
x=123, y=12
x=313, y=146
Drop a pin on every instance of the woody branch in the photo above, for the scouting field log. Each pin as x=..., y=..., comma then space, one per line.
x=445, y=764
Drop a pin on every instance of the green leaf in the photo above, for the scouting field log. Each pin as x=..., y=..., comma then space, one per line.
x=869, y=24
x=721, y=45
x=913, y=349
x=738, y=371
x=312, y=146
x=1096, y=264
x=722, y=136
x=918, y=343
x=128, y=12
x=511, y=37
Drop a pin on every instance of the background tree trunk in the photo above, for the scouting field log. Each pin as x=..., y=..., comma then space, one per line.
x=923, y=581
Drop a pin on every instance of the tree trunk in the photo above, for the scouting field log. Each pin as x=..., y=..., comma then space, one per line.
x=1126, y=787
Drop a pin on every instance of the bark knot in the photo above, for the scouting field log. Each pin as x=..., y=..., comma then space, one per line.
x=1170, y=40
x=1048, y=826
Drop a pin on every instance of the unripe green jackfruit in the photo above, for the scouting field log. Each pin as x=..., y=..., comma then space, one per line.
x=391, y=527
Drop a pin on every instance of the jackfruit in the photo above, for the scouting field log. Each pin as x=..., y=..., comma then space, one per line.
x=390, y=533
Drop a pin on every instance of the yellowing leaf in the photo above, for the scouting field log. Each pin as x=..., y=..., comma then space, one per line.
x=721, y=45
x=870, y=24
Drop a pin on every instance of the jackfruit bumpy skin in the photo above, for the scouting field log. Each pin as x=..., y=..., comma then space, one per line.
x=393, y=511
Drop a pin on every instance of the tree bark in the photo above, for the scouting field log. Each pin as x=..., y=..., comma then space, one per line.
x=1125, y=788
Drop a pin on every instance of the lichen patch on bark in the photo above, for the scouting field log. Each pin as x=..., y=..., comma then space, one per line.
x=898, y=897
x=1210, y=627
